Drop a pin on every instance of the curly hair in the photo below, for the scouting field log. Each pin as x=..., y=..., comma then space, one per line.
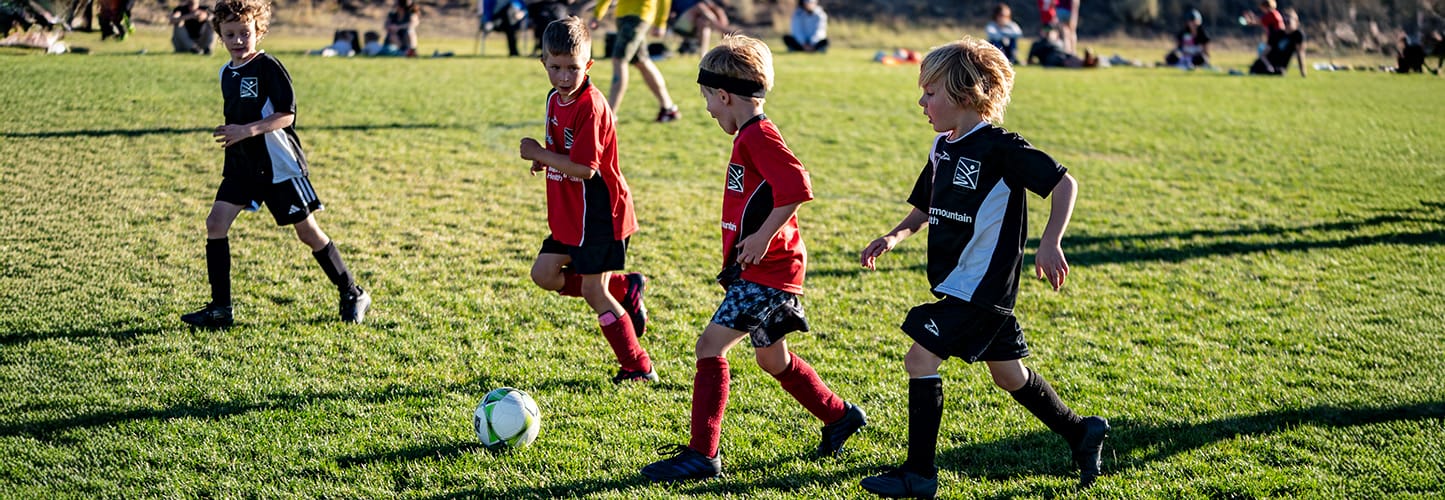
x=973, y=74
x=741, y=57
x=233, y=11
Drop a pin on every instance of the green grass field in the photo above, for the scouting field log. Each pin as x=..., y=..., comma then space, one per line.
x=1256, y=301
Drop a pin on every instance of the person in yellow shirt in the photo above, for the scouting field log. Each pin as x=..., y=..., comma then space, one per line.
x=634, y=17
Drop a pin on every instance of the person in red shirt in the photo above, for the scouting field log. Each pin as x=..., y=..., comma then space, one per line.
x=763, y=266
x=1270, y=19
x=589, y=206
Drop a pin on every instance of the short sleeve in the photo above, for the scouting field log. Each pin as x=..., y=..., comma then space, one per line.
x=1033, y=169
x=277, y=84
x=922, y=195
x=777, y=165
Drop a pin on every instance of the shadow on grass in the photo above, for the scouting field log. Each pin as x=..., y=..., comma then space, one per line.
x=1179, y=246
x=443, y=452
x=51, y=429
x=1042, y=452
x=195, y=130
x=119, y=331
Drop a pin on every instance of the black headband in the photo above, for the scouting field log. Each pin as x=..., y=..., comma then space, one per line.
x=738, y=86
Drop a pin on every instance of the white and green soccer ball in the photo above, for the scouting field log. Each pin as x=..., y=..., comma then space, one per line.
x=507, y=418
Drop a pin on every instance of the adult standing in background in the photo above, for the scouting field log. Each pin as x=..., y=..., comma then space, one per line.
x=401, y=25
x=810, y=28
x=191, y=30
x=634, y=18
x=1068, y=18
x=542, y=13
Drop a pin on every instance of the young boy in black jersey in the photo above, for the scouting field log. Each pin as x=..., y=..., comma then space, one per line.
x=764, y=264
x=972, y=195
x=589, y=205
x=264, y=163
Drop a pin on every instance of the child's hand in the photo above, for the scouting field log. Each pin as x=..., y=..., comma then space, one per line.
x=880, y=246
x=752, y=249
x=530, y=148
x=1049, y=264
x=537, y=166
x=229, y=135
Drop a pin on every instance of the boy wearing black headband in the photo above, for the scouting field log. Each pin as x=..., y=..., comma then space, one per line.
x=971, y=196
x=763, y=266
x=589, y=206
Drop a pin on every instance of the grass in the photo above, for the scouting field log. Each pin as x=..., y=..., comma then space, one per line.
x=1256, y=303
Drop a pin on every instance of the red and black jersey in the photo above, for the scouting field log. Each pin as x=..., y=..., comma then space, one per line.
x=581, y=210
x=762, y=175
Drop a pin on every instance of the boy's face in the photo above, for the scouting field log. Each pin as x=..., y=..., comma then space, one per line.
x=240, y=38
x=719, y=106
x=567, y=72
x=942, y=114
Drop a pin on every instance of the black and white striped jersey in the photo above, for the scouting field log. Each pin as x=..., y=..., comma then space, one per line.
x=253, y=91
x=972, y=189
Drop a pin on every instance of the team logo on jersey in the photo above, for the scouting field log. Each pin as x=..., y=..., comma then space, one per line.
x=735, y=177
x=250, y=87
x=965, y=175
x=942, y=156
x=931, y=327
x=567, y=138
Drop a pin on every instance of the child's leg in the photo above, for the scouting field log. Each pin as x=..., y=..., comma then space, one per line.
x=326, y=254
x=1085, y=435
x=617, y=328
x=547, y=272
x=218, y=250
x=710, y=387
x=925, y=409
x=800, y=381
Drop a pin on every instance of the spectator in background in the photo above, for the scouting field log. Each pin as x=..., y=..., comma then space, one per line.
x=1003, y=32
x=192, y=32
x=542, y=13
x=1270, y=19
x=810, y=28
x=1412, y=57
x=401, y=25
x=694, y=21
x=1191, y=49
x=1067, y=12
x=373, y=46
x=1049, y=51
x=1288, y=44
x=1048, y=17
x=1438, y=51
x=506, y=16
x=343, y=44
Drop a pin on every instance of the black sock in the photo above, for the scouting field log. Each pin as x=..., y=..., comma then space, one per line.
x=925, y=411
x=218, y=270
x=1044, y=403
x=330, y=259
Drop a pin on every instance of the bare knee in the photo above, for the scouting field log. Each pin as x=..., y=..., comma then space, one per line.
x=773, y=361
x=1008, y=375
x=921, y=363
x=217, y=226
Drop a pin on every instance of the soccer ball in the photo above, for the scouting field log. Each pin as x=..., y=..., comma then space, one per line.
x=507, y=417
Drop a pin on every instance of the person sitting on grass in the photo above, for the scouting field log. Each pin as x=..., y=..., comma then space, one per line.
x=809, y=28
x=1003, y=32
x=1286, y=45
x=695, y=22
x=192, y=32
x=589, y=206
x=764, y=263
x=1048, y=51
x=971, y=195
x=264, y=164
x=1191, y=49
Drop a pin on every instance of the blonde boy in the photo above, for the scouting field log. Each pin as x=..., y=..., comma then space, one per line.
x=264, y=163
x=763, y=266
x=589, y=206
x=971, y=196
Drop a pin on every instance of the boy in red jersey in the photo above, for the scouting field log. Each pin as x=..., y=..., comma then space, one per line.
x=764, y=265
x=589, y=207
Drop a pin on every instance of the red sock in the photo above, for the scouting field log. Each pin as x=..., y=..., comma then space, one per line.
x=623, y=340
x=617, y=286
x=709, y=400
x=572, y=287
x=803, y=383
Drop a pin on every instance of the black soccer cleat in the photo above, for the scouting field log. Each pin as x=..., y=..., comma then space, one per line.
x=211, y=316
x=685, y=464
x=671, y=114
x=625, y=375
x=632, y=302
x=838, y=432
x=353, y=305
x=1086, y=454
x=902, y=483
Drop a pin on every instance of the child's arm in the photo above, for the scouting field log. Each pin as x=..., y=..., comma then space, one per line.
x=229, y=135
x=1300, y=54
x=913, y=223
x=752, y=249
x=533, y=150
x=1049, y=262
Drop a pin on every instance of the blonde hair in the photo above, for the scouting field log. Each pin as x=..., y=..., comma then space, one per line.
x=741, y=57
x=973, y=73
x=240, y=11
x=567, y=36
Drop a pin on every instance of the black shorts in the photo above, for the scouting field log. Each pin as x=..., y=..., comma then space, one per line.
x=766, y=314
x=590, y=258
x=954, y=328
x=290, y=201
